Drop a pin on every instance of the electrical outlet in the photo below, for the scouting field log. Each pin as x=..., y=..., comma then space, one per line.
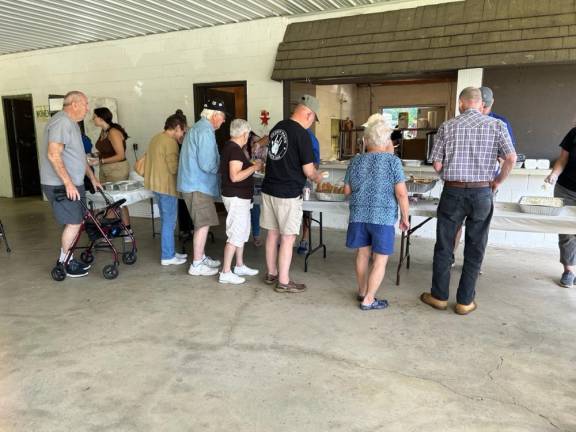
x=135, y=146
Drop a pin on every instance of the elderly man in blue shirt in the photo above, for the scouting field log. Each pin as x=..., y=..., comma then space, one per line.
x=198, y=182
x=487, y=103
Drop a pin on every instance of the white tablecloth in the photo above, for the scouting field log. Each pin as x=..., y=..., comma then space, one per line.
x=131, y=197
x=507, y=216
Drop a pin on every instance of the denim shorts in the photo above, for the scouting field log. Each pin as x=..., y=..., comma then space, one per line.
x=380, y=237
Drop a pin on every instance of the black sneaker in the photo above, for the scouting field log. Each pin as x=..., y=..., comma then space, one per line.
x=81, y=264
x=75, y=269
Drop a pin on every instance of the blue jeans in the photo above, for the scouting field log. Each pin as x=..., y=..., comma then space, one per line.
x=255, y=220
x=168, y=205
x=456, y=205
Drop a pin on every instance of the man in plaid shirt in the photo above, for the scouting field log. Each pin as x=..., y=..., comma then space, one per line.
x=465, y=154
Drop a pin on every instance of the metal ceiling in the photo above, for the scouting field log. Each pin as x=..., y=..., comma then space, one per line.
x=35, y=24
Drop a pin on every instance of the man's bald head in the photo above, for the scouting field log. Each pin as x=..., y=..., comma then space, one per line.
x=470, y=98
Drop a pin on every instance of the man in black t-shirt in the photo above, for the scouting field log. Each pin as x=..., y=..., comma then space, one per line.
x=289, y=162
x=564, y=171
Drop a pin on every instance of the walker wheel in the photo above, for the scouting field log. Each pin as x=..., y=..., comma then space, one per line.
x=58, y=273
x=110, y=271
x=129, y=258
x=87, y=257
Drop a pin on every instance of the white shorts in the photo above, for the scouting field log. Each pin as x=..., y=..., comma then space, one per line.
x=281, y=214
x=238, y=220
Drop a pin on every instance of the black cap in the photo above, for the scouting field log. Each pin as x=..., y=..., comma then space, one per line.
x=215, y=105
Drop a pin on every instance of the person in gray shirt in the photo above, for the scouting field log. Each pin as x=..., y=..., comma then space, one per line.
x=62, y=171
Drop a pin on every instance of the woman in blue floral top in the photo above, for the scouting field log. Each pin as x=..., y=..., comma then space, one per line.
x=375, y=182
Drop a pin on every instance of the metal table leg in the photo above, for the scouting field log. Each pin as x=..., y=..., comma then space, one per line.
x=405, y=246
x=3, y=235
x=320, y=245
x=152, y=217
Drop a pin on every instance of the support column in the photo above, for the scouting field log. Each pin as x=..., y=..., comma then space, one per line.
x=467, y=78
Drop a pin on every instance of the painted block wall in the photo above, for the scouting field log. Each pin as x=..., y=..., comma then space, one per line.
x=150, y=77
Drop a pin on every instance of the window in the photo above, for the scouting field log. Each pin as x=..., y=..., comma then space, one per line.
x=419, y=117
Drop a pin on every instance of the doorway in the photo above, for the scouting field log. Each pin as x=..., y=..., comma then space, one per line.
x=21, y=138
x=235, y=101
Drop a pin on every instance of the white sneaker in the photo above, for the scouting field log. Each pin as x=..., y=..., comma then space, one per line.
x=245, y=271
x=173, y=261
x=202, y=270
x=210, y=262
x=230, y=278
x=182, y=256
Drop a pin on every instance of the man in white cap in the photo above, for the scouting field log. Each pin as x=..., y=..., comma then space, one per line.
x=289, y=162
x=198, y=182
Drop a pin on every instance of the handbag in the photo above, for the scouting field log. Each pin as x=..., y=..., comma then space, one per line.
x=140, y=165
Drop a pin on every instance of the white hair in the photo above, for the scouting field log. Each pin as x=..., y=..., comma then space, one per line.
x=208, y=113
x=373, y=119
x=239, y=127
x=377, y=134
x=73, y=96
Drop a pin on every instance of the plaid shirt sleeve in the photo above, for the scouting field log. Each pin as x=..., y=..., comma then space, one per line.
x=505, y=146
x=438, y=151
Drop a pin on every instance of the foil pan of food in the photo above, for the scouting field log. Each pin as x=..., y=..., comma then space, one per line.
x=545, y=206
x=420, y=185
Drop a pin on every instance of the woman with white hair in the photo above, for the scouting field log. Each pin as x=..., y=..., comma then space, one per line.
x=237, y=183
x=375, y=182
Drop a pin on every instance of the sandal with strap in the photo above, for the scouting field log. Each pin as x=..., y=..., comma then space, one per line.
x=376, y=304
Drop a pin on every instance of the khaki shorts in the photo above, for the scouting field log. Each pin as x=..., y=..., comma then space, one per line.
x=201, y=208
x=281, y=214
x=113, y=172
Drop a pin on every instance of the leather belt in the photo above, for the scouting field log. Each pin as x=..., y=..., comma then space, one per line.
x=466, y=185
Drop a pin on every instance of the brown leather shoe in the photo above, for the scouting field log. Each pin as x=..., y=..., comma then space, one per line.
x=290, y=287
x=434, y=302
x=270, y=279
x=461, y=309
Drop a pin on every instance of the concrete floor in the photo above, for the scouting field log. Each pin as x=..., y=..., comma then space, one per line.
x=158, y=350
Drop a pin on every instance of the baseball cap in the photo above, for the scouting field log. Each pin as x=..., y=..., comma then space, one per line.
x=487, y=96
x=215, y=105
x=310, y=102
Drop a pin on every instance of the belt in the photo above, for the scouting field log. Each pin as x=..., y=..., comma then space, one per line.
x=466, y=185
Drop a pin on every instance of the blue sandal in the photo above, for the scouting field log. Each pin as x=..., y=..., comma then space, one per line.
x=376, y=304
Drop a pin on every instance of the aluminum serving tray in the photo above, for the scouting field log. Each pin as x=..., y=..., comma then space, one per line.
x=420, y=188
x=325, y=196
x=544, y=206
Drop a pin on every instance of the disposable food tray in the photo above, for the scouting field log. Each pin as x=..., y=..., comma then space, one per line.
x=325, y=196
x=420, y=187
x=545, y=206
